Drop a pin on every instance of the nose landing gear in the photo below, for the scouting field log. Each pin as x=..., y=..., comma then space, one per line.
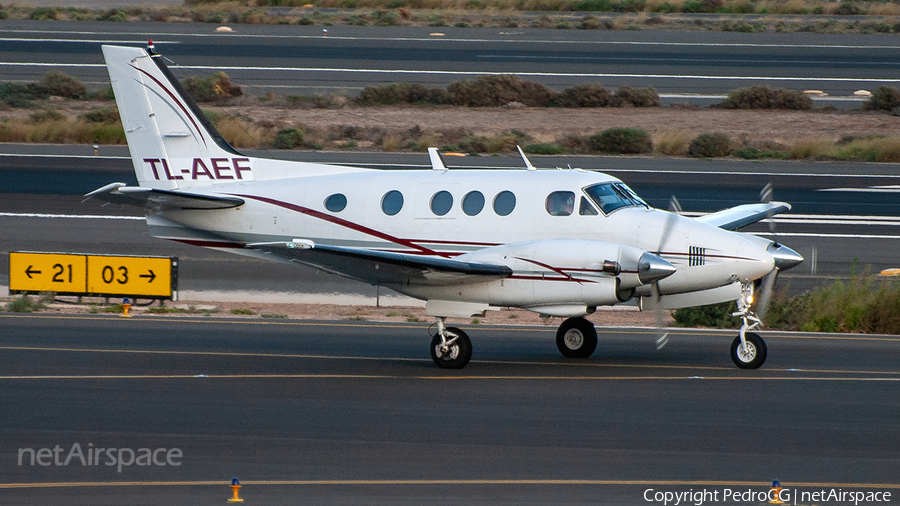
x=748, y=350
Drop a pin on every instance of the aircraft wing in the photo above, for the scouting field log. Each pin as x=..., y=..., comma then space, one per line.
x=740, y=216
x=153, y=198
x=383, y=267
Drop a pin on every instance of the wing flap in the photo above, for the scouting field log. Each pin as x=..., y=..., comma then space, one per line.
x=383, y=267
x=740, y=216
x=154, y=198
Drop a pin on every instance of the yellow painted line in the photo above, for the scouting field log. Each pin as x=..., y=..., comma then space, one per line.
x=204, y=376
x=671, y=483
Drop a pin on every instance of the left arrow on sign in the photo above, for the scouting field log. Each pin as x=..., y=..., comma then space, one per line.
x=29, y=272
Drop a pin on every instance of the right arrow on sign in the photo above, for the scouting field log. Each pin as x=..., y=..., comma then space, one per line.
x=151, y=275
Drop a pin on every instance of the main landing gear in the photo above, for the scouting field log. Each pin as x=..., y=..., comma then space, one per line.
x=576, y=338
x=748, y=350
x=450, y=347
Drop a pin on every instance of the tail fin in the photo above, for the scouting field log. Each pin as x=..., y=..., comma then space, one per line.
x=173, y=144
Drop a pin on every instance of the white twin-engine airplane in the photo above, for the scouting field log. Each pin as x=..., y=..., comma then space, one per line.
x=556, y=242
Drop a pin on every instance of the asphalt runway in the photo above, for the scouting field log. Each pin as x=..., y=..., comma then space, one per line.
x=299, y=59
x=355, y=412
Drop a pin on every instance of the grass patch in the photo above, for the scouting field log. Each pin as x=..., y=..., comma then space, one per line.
x=242, y=311
x=24, y=304
x=266, y=315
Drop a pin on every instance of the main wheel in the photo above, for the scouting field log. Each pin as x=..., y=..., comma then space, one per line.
x=576, y=338
x=456, y=354
x=753, y=356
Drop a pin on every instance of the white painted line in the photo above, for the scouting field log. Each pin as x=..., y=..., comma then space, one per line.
x=871, y=189
x=88, y=41
x=38, y=155
x=70, y=216
x=481, y=40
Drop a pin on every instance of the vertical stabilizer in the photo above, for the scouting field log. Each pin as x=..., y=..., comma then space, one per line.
x=173, y=144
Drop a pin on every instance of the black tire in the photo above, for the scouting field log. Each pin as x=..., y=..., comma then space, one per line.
x=576, y=338
x=459, y=353
x=757, y=354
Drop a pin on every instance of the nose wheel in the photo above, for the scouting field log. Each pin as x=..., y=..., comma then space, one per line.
x=751, y=353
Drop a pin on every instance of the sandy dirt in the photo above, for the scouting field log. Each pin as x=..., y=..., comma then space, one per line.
x=546, y=124
x=619, y=316
x=758, y=127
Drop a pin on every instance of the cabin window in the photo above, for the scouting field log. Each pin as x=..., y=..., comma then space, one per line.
x=392, y=202
x=473, y=203
x=504, y=203
x=612, y=196
x=441, y=202
x=560, y=203
x=336, y=203
x=586, y=209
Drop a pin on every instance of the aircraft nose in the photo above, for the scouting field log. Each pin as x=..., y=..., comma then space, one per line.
x=653, y=268
x=785, y=257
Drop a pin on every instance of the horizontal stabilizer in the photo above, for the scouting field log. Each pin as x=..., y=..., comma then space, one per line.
x=154, y=198
x=740, y=216
x=383, y=267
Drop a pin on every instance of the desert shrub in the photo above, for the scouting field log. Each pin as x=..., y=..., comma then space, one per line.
x=305, y=21
x=215, y=88
x=495, y=91
x=386, y=18
x=589, y=23
x=544, y=148
x=640, y=97
x=43, y=14
x=629, y=6
x=4, y=14
x=848, y=9
x=763, y=97
x=621, y=141
x=46, y=115
x=21, y=95
x=60, y=84
x=672, y=142
x=104, y=115
x=710, y=145
x=288, y=138
x=584, y=95
x=594, y=6
x=713, y=315
x=23, y=304
x=885, y=98
x=752, y=153
x=114, y=15
x=402, y=93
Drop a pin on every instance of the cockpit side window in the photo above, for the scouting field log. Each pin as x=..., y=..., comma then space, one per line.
x=586, y=209
x=560, y=203
x=612, y=196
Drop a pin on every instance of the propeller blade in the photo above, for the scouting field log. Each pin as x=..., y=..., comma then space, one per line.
x=663, y=338
x=765, y=294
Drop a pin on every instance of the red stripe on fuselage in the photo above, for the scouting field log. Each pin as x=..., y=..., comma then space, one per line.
x=347, y=224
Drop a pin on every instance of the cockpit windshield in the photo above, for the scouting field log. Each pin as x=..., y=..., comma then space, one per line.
x=612, y=196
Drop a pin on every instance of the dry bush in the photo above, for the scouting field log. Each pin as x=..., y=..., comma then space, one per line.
x=584, y=95
x=763, y=97
x=885, y=98
x=810, y=148
x=621, y=141
x=672, y=142
x=499, y=90
x=639, y=97
x=711, y=145
x=240, y=132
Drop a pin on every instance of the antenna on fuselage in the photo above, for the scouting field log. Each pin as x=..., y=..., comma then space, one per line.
x=525, y=158
x=436, y=162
